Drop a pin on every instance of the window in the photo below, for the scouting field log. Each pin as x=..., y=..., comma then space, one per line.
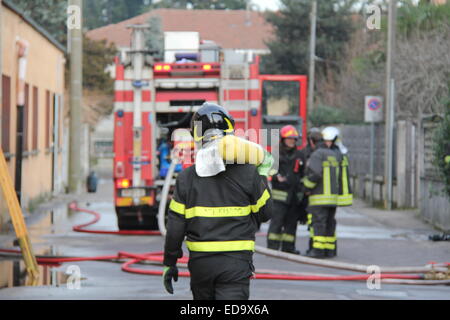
x=35, y=117
x=6, y=112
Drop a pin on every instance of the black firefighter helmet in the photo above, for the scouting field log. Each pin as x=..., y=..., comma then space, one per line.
x=210, y=122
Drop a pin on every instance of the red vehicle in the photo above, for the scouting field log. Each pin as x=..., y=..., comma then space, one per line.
x=153, y=99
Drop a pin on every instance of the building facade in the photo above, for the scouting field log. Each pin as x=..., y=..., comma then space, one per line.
x=43, y=123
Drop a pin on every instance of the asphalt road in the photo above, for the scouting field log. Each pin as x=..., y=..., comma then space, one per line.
x=365, y=236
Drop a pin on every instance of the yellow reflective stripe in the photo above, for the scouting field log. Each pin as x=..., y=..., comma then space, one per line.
x=320, y=245
x=345, y=200
x=333, y=161
x=218, y=246
x=323, y=242
x=345, y=161
x=320, y=238
x=274, y=236
x=311, y=232
x=287, y=237
x=261, y=201
x=279, y=195
x=177, y=207
x=309, y=217
x=308, y=183
x=321, y=199
x=326, y=181
x=217, y=212
x=223, y=212
x=344, y=181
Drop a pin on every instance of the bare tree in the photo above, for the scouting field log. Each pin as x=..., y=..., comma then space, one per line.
x=422, y=72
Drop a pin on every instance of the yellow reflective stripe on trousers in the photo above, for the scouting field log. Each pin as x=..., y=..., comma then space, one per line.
x=261, y=201
x=274, y=236
x=177, y=207
x=217, y=212
x=287, y=237
x=221, y=246
x=279, y=195
x=320, y=245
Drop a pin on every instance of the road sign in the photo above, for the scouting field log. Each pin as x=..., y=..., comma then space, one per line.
x=373, y=109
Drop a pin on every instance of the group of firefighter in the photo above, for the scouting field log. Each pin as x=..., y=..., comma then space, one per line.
x=310, y=184
x=218, y=207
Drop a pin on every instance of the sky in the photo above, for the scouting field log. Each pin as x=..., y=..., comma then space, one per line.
x=267, y=4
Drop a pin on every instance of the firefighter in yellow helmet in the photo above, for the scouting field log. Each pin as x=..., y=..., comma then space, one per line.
x=285, y=193
x=322, y=184
x=218, y=208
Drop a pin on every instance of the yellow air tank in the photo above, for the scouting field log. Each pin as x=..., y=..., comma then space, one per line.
x=239, y=150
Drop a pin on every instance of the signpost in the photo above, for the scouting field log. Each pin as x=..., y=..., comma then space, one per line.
x=373, y=113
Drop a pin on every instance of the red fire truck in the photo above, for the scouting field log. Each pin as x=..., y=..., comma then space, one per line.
x=153, y=99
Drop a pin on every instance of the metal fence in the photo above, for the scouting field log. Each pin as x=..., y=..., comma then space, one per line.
x=357, y=139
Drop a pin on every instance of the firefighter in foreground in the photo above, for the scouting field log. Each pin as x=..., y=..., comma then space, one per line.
x=218, y=208
x=285, y=193
x=322, y=184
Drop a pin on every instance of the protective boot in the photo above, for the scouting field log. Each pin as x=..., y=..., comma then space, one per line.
x=316, y=253
x=289, y=247
x=330, y=253
x=273, y=244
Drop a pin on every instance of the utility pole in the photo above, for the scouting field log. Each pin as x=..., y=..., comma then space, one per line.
x=312, y=55
x=390, y=106
x=1, y=69
x=76, y=96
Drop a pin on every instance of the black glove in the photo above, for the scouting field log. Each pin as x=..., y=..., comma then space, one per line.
x=169, y=274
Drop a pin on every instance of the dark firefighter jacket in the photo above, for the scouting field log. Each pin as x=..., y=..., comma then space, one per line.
x=291, y=166
x=322, y=176
x=218, y=214
x=307, y=151
x=345, y=197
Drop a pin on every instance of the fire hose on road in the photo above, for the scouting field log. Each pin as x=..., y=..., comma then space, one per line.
x=387, y=275
x=432, y=274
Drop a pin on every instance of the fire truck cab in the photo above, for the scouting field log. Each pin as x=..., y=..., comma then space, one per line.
x=155, y=100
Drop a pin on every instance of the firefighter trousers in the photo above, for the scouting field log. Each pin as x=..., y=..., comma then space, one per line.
x=220, y=277
x=322, y=229
x=283, y=227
